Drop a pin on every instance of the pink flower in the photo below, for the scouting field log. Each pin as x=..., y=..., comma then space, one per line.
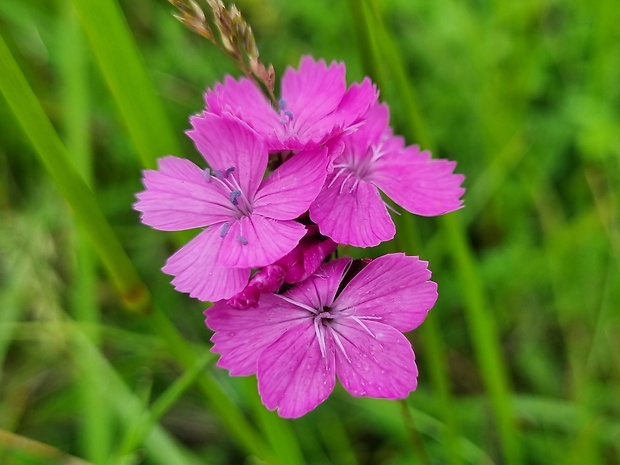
x=315, y=105
x=298, y=342
x=350, y=209
x=249, y=220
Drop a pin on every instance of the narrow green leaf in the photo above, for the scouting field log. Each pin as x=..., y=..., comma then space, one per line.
x=56, y=160
x=126, y=75
x=96, y=429
x=161, y=447
x=277, y=430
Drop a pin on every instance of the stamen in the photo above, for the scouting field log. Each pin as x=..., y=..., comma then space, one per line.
x=242, y=240
x=233, y=196
x=344, y=182
x=357, y=320
x=288, y=117
x=339, y=342
x=335, y=177
x=320, y=335
x=357, y=181
x=298, y=304
x=224, y=230
x=391, y=208
x=282, y=104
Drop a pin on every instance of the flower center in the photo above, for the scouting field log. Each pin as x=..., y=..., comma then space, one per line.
x=356, y=167
x=286, y=116
x=240, y=205
x=324, y=314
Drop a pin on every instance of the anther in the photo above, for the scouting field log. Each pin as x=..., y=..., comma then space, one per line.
x=282, y=104
x=224, y=230
x=242, y=240
x=233, y=196
x=218, y=174
x=228, y=171
x=288, y=117
x=207, y=174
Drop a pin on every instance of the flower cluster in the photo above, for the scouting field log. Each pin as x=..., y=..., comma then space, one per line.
x=282, y=188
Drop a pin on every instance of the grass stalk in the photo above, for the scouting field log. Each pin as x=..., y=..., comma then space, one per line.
x=96, y=427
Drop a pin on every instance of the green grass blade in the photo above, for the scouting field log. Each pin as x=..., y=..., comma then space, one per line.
x=163, y=403
x=408, y=240
x=56, y=160
x=277, y=430
x=126, y=75
x=218, y=400
x=127, y=406
x=96, y=427
x=484, y=337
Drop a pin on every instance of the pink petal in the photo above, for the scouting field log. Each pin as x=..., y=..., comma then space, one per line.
x=255, y=241
x=353, y=109
x=291, y=188
x=293, y=376
x=418, y=183
x=376, y=124
x=178, y=197
x=352, y=215
x=377, y=361
x=244, y=100
x=314, y=91
x=394, y=289
x=241, y=335
x=318, y=290
x=226, y=142
x=196, y=272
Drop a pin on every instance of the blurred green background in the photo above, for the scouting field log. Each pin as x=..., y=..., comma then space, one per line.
x=519, y=358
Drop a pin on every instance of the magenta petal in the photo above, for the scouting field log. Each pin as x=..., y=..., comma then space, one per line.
x=354, y=106
x=394, y=288
x=318, y=290
x=226, y=142
x=196, y=272
x=292, y=187
x=355, y=216
x=293, y=376
x=178, y=197
x=313, y=91
x=241, y=335
x=256, y=241
x=377, y=361
x=418, y=183
x=244, y=100
x=373, y=131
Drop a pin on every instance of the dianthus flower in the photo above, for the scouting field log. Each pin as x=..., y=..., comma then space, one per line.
x=350, y=209
x=315, y=105
x=249, y=221
x=326, y=326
